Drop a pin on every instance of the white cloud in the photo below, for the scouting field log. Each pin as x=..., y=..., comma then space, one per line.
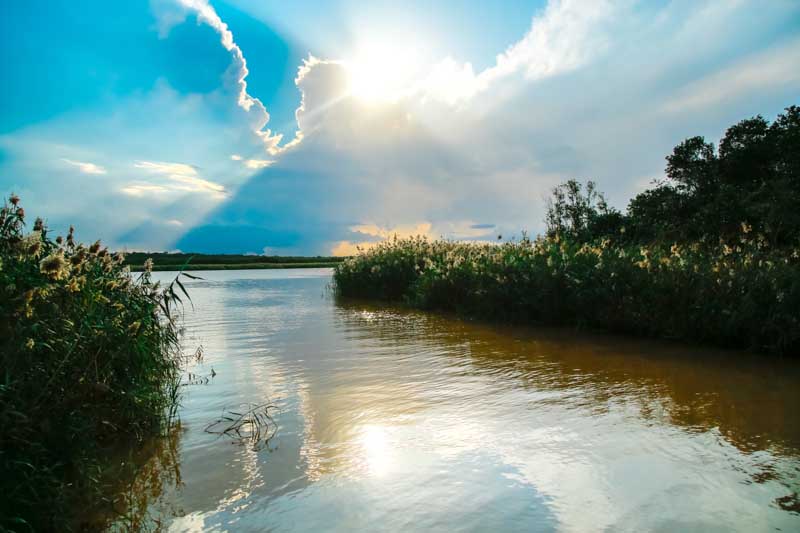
x=193, y=184
x=595, y=90
x=257, y=115
x=253, y=164
x=158, y=167
x=774, y=68
x=185, y=178
x=566, y=36
x=123, y=207
x=86, y=168
x=256, y=164
x=143, y=189
x=520, y=127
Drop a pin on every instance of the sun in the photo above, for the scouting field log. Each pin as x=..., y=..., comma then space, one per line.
x=382, y=72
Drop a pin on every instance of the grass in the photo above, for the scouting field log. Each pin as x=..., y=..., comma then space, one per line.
x=740, y=293
x=90, y=360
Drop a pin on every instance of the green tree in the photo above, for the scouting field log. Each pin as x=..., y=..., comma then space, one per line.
x=579, y=214
x=753, y=178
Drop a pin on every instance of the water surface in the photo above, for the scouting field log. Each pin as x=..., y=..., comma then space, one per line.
x=396, y=420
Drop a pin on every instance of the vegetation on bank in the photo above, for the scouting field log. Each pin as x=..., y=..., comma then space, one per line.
x=90, y=358
x=235, y=266
x=753, y=177
x=164, y=261
x=709, y=254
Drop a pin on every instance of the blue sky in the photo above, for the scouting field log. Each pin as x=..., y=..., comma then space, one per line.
x=256, y=126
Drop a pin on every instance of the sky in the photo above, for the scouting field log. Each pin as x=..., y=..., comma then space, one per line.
x=317, y=127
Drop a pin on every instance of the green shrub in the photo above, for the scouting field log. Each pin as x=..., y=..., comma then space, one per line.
x=90, y=358
x=741, y=293
x=679, y=263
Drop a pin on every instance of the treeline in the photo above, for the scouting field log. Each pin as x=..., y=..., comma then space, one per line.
x=709, y=254
x=708, y=192
x=174, y=261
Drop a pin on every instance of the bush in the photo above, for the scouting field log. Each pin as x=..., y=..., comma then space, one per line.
x=680, y=263
x=740, y=293
x=90, y=359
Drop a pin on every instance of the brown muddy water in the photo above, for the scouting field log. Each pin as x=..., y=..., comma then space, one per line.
x=396, y=420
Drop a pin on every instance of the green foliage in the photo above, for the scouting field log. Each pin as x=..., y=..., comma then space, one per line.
x=710, y=254
x=90, y=358
x=707, y=193
x=753, y=177
x=740, y=293
x=576, y=214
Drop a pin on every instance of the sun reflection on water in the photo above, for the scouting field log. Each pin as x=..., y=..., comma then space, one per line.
x=376, y=450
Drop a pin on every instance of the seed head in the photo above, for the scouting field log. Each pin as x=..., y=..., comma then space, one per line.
x=54, y=266
x=74, y=285
x=31, y=244
x=78, y=257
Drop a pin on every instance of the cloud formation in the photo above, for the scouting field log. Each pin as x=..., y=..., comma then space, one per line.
x=564, y=37
x=180, y=178
x=236, y=76
x=86, y=168
x=592, y=91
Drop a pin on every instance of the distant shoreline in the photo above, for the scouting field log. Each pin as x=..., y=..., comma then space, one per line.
x=246, y=266
x=163, y=261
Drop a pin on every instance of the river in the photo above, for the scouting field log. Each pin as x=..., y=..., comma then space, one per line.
x=397, y=420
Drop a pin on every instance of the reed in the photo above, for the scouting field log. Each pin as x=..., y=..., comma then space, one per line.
x=710, y=253
x=90, y=358
x=249, y=424
x=739, y=293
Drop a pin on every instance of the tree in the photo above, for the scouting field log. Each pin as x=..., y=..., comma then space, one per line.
x=692, y=166
x=774, y=205
x=663, y=212
x=571, y=212
x=754, y=178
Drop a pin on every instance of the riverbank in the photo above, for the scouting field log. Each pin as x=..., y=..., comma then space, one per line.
x=734, y=294
x=91, y=364
x=163, y=262
x=251, y=266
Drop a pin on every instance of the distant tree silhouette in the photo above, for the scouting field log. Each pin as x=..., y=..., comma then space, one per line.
x=753, y=178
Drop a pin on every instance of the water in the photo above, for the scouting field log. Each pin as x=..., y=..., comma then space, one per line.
x=395, y=420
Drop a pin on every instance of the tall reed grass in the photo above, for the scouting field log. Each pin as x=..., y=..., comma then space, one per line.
x=739, y=293
x=90, y=358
